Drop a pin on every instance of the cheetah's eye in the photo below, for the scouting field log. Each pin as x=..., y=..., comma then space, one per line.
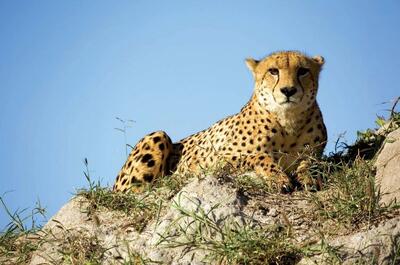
x=273, y=71
x=302, y=71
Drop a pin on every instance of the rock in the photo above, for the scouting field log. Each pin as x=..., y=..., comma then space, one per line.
x=166, y=239
x=72, y=225
x=388, y=169
x=376, y=243
x=196, y=197
x=112, y=231
x=220, y=202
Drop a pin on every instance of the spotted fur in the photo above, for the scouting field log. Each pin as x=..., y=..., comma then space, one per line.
x=280, y=123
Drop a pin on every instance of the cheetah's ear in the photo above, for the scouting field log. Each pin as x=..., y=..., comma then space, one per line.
x=252, y=64
x=319, y=60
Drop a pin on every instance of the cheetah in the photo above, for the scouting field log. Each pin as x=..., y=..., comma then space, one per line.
x=281, y=122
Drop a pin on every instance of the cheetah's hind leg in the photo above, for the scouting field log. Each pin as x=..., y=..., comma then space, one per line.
x=146, y=162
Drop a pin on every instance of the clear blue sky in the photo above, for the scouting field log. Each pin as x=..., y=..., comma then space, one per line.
x=68, y=68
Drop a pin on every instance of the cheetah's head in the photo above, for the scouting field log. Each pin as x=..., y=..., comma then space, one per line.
x=286, y=81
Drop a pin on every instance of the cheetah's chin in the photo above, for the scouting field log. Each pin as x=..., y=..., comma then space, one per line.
x=288, y=104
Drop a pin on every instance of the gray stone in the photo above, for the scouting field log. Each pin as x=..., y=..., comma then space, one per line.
x=373, y=243
x=388, y=169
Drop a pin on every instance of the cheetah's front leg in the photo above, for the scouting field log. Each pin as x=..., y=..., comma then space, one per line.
x=265, y=166
x=304, y=178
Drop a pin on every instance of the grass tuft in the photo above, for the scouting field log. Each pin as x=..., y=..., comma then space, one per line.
x=17, y=240
x=141, y=208
x=349, y=195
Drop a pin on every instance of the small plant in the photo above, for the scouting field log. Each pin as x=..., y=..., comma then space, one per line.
x=241, y=178
x=125, y=125
x=369, y=142
x=349, y=196
x=140, y=207
x=17, y=241
x=168, y=186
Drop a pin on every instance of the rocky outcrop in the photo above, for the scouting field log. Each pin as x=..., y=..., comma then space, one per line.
x=207, y=197
x=198, y=220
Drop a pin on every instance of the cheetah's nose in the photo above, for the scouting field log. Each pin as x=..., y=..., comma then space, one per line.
x=288, y=91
